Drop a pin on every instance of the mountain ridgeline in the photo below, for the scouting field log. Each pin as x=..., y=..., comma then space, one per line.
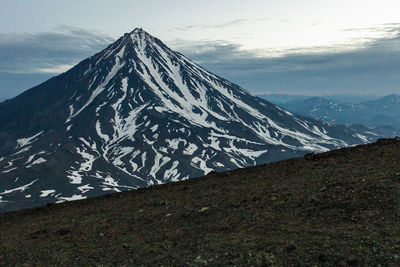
x=139, y=114
x=381, y=112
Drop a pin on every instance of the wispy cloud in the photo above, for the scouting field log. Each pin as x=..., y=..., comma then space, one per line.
x=383, y=28
x=227, y=24
x=56, y=68
x=29, y=59
x=373, y=67
x=49, y=51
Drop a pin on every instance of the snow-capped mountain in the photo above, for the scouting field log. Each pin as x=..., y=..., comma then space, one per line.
x=138, y=114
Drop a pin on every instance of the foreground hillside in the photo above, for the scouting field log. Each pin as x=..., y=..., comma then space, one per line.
x=337, y=208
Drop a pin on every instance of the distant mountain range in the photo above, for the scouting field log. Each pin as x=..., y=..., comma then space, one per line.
x=384, y=111
x=138, y=114
x=283, y=98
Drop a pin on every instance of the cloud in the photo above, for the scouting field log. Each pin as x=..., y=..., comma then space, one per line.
x=227, y=24
x=51, y=51
x=383, y=28
x=372, y=67
x=57, y=68
x=29, y=59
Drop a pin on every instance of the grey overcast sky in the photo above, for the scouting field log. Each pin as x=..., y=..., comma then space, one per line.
x=310, y=47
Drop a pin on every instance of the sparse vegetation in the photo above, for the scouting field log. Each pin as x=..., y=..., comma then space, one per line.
x=337, y=208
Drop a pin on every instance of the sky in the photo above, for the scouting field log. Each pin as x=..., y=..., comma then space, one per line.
x=313, y=47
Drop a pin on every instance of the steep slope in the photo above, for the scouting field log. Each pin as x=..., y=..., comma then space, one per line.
x=138, y=114
x=339, y=208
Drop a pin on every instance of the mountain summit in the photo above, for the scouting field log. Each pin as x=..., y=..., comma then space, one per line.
x=138, y=114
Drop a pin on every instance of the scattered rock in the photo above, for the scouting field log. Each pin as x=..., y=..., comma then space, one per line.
x=323, y=188
x=204, y=209
x=200, y=260
x=309, y=155
x=40, y=233
x=290, y=248
x=322, y=258
x=62, y=232
x=353, y=262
